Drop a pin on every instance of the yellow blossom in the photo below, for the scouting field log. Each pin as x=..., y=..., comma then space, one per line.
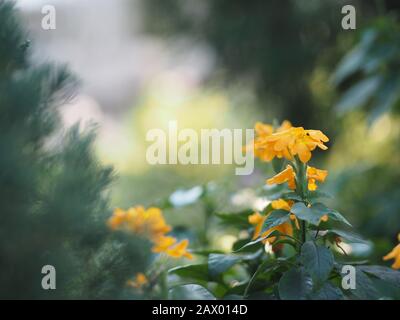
x=151, y=225
x=313, y=175
x=179, y=250
x=162, y=243
x=286, y=175
x=117, y=219
x=292, y=141
x=263, y=150
x=139, y=282
x=394, y=254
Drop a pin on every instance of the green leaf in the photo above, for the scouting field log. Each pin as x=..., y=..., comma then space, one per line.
x=333, y=214
x=353, y=61
x=275, y=218
x=308, y=214
x=238, y=219
x=277, y=164
x=317, y=261
x=274, y=233
x=205, y=252
x=365, y=289
x=359, y=94
x=219, y=263
x=315, y=212
x=327, y=292
x=192, y=271
x=288, y=196
x=319, y=194
x=383, y=273
x=345, y=235
x=295, y=285
x=190, y=292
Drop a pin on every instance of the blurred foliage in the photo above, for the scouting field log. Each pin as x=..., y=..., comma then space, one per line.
x=372, y=69
x=274, y=46
x=369, y=82
x=53, y=191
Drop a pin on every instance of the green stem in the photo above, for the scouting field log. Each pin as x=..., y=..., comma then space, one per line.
x=253, y=277
x=303, y=231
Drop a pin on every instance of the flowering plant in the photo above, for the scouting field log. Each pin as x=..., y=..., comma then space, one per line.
x=295, y=247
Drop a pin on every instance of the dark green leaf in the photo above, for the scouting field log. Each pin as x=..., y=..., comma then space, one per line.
x=345, y=235
x=319, y=194
x=190, y=292
x=295, y=285
x=327, y=292
x=275, y=218
x=308, y=214
x=258, y=240
x=289, y=196
x=316, y=212
x=317, y=260
x=238, y=219
x=277, y=164
x=219, y=263
x=384, y=273
x=365, y=289
x=193, y=271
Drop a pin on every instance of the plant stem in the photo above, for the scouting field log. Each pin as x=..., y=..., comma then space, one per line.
x=303, y=231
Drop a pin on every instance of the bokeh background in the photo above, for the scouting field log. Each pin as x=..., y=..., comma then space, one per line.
x=228, y=64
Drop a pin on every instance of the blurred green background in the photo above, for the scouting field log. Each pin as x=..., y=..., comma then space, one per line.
x=228, y=64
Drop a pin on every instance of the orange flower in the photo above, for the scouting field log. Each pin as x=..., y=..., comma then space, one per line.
x=286, y=175
x=117, y=219
x=263, y=150
x=313, y=175
x=294, y=141
x=139, y=282
x=162, y=243
x=151, y=225
x=179, y=250
x=394, y=254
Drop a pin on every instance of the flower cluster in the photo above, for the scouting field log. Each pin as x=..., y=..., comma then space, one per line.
x=151, y=225
x=286, y=142
x=295, y=144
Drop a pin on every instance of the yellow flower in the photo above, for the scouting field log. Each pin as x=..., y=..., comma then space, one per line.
x=394, y=254
x=179, y=250
x=313, y=175
x=263, y=150
x=293, y=141
x=286, y=175
x=139, y=282
x=118, y=218
x=151, y=225
x=162, y=243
